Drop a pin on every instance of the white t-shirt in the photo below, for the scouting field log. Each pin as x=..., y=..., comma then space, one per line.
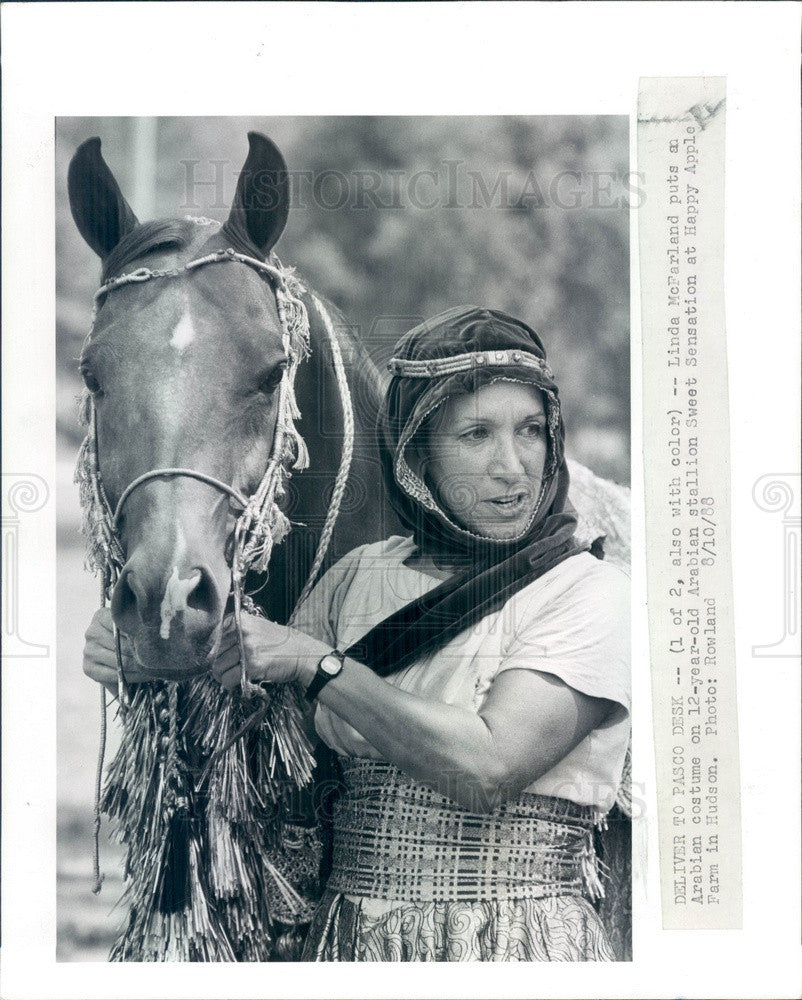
x=572, y=622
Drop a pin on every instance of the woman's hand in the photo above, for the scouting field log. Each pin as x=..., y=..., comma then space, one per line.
x=274, y=654
x=100, y=654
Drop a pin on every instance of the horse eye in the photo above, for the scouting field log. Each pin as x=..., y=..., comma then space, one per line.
x=272, y=379
x=91, y=382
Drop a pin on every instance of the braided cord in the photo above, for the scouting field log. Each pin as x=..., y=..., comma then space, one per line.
x=345, y=459
x=101, y=756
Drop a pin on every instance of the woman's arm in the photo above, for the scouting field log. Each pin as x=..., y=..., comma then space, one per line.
x=529, y=721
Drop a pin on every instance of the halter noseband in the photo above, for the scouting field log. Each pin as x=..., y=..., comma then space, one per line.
x=191, y=473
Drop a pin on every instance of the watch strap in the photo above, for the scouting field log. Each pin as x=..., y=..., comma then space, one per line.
x=322, y=677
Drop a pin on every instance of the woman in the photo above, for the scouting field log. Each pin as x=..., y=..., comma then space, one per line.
x=473, y=677
x=482, y=707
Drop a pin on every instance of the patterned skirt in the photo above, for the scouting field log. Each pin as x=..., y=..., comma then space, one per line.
x=416, y=878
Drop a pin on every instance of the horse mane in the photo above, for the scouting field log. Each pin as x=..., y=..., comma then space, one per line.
x=160, y=234
x=368, y=380
x=366, y=514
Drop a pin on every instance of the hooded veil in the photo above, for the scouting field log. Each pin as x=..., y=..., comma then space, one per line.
x=457, y=353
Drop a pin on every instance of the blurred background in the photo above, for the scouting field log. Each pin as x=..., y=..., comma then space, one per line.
x=393, y=219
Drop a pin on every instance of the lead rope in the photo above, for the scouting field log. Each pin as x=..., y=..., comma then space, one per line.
x=98, y=788
x=341, y=481
x=105, y=586
x=101, y=759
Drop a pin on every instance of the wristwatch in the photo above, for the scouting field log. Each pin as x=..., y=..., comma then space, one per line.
x=329, y=666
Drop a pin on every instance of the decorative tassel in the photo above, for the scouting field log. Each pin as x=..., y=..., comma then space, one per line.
x=292, y=402
x=209, y=868
x=290, y=945
x=624, y=797
x=592, y=870
x=174, y=891
x=301, y=451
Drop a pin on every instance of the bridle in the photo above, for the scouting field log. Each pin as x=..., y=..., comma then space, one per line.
x=260, y=523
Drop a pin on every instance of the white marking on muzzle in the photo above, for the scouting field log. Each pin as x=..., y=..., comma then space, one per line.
x=175, y=598
x=184, y=333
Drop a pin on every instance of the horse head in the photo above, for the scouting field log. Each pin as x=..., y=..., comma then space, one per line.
x=183, y=373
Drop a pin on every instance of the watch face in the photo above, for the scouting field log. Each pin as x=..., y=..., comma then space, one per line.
x=331, y=665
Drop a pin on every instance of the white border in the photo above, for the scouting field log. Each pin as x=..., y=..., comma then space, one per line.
x=216, y=59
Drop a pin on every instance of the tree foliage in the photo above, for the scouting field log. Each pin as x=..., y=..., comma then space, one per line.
x=397, y=218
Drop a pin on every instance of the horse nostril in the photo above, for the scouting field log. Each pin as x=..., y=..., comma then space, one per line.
x=203, y=597
x=129, y=602
x=137, y=590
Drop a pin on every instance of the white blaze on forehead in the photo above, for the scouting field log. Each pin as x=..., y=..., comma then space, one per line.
x=184, y=333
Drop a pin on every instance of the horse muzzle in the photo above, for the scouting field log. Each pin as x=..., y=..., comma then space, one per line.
x=173, y=620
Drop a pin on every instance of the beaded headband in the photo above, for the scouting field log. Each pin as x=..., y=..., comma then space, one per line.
x=436, y=367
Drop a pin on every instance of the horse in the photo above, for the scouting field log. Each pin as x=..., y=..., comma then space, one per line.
x=186, y=379
x=184, y=374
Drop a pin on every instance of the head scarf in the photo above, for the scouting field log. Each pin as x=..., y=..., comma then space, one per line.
x=457, y=353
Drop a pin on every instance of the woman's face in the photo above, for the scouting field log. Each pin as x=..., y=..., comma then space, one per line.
x=485, y=457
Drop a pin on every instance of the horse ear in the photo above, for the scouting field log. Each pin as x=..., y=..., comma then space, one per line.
x=101, y=213
x=262, y=200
